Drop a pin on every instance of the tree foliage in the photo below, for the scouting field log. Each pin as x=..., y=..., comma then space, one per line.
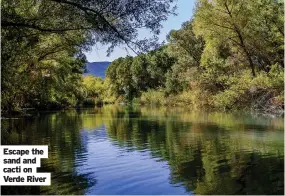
x=43, y=43
x=229, y=55
x=132, y=75
x=244, y=28
x=219, y=58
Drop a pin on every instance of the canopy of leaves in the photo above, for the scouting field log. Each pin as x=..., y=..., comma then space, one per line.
x=229, y=55
x=133, y=75
x=43, y=43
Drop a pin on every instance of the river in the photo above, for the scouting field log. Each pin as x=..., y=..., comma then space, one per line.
x=143, y=150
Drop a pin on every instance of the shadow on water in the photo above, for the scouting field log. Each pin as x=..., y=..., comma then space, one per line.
x=60, y=132
x=207, y=153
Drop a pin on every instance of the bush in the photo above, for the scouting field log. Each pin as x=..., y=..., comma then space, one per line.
x=244, y=91
x=153, y=97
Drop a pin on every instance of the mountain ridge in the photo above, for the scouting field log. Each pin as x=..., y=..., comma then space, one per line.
x=97, y=69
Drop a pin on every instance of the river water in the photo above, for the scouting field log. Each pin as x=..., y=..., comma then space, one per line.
x=127, y=150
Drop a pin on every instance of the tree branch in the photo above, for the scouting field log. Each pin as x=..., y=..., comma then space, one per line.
x=31, y=26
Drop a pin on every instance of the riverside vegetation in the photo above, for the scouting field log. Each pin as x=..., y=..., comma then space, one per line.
x=229, y=55
x=43, y=45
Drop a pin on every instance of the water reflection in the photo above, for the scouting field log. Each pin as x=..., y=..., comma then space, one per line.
x=66, y=151
x=121, y=150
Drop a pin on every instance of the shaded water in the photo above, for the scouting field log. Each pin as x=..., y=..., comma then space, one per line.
x=121, y=150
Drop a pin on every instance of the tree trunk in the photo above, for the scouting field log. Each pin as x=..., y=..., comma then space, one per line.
x=241, y=40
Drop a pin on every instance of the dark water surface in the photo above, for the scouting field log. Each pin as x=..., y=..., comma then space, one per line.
x=121, y=150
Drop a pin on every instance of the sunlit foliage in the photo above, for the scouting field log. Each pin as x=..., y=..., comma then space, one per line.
x=228, y=56
x=43, y=44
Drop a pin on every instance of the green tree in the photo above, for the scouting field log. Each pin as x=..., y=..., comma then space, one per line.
x=43, y=43
x=94, y=85
x=187, y=49
x=159, y=63
x=140, y=75
x=238, y=25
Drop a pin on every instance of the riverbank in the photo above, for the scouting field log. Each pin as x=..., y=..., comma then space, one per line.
x=157, y=100
x=264, y=103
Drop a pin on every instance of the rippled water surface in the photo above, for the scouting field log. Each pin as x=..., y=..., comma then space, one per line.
x=122, y=150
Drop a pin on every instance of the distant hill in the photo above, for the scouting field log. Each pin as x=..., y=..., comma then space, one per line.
x=96, y=69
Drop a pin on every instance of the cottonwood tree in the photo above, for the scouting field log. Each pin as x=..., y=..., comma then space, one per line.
x=246, y=26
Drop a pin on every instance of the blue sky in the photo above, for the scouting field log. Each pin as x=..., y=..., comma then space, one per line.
x=184, y=13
